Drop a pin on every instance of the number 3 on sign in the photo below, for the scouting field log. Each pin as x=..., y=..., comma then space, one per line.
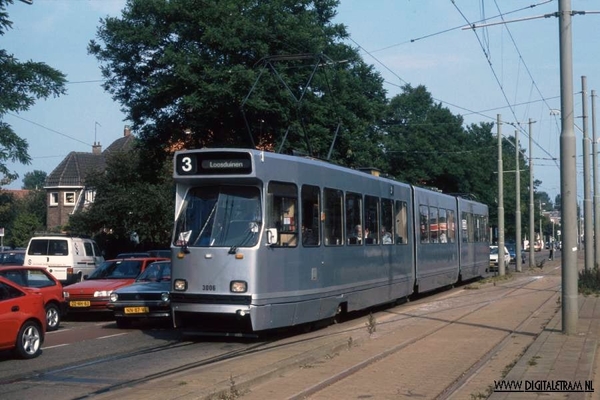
x=186, y=164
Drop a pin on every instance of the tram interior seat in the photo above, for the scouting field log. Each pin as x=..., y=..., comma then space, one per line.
x=370, y=241
x=353, y=240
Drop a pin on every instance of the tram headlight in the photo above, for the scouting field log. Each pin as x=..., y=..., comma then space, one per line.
x=180, y=285
x=238, y=286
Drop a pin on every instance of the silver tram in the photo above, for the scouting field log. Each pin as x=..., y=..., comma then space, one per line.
x=265, y=240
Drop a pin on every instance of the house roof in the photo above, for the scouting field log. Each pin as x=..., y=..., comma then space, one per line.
x=76, y=166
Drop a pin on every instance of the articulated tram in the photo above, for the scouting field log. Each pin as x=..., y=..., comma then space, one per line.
x=264, y=240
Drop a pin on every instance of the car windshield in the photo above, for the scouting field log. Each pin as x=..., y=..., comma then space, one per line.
x=117, y=269
x=494, y=250
x=219, y=216
x=156, y=272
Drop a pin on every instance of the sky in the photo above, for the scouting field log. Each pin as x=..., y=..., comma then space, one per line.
x=510, y=69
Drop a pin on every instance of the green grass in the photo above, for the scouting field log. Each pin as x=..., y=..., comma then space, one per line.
x=589, y=282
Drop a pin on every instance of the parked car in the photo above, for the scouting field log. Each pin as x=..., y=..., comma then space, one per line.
x=93, y=294
x=494, y=257
x=147, y=298
x=22, y=318
x=512, y=249
x=12, y=257
x=51, y=289
x=160, y=253
x=69, y=258
x=134, y=255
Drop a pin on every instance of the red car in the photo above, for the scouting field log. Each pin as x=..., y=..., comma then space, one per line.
x=49, y=286
x=93, y=294
x=22, y=318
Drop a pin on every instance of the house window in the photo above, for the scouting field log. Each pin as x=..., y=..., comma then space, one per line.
x=90, y=195
x=69, y=198
x=53, y=198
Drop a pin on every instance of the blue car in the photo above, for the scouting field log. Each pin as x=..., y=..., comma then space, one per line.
x=512, y=250
x=147, y=298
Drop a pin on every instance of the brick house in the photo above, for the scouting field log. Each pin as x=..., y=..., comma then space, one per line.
x=65, y=186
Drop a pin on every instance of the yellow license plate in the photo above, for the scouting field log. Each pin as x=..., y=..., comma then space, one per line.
x=136, y=310
x=79, y=303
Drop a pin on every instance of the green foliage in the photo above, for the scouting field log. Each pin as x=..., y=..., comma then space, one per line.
x=22, y=217
x=183, y=69
x=34, y=180
x=589, y=281
x=21, y=84
x=24, y=226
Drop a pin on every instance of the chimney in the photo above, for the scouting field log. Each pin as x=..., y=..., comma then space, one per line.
x=127, y=131
x=97, y=148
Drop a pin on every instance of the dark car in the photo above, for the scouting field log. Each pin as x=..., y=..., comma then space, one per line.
x=147, y=298
x=134, y=255
x=12, y=257
x=93, y=294
x=512, y=250
x=50, y=287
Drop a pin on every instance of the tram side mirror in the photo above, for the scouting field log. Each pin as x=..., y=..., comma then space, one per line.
x=271, y=236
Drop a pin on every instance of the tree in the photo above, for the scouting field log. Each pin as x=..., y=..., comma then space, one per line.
x=20, y=84
x=34, y=180
x=240, y=73
x=126, y=203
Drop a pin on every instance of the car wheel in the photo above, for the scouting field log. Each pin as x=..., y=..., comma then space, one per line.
x=123, y=323
x=29, y=340
x=52, y=317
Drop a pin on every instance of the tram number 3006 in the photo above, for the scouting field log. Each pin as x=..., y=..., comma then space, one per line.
x=210, y=288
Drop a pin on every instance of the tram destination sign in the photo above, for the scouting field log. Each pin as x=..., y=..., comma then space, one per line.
x=220, y=163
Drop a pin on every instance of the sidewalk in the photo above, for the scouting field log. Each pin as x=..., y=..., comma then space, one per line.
x=554, y=358
x=556, y=361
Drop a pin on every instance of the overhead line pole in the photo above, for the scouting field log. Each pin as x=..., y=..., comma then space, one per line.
x=596, y=185
x=568, y=174
x=501, y=270
x=531, y=202
x=588, y=228
x=518, y=243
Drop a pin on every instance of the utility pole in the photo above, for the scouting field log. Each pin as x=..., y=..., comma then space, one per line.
x=568, y=174
x=588, y=232
x=596, y=185
x=518, y=205
x=531, y=202
x=501, y=270
x=541, y=232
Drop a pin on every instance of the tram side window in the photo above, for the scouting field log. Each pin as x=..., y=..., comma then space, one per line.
x=283, y=212
x=476, y=229
x=451, y=226
x=310, y=216
x=401, y=225
x=333, y=217
x=371, y=232
x=433, y=225
x=354, y=226
x=463, y=224
x=387, y=216
x=424, y=223
x=443, y=226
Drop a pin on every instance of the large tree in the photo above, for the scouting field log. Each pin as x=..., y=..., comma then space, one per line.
x=245, y=73
x=21, y=84
x=127, y=205
x=34, y=180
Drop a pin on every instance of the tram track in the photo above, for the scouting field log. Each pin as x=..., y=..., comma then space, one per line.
x=336, y=378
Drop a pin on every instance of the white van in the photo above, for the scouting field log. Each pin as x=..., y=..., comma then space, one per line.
x=68, y=258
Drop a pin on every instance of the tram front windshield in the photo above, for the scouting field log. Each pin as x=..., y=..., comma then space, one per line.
x=217, y=216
